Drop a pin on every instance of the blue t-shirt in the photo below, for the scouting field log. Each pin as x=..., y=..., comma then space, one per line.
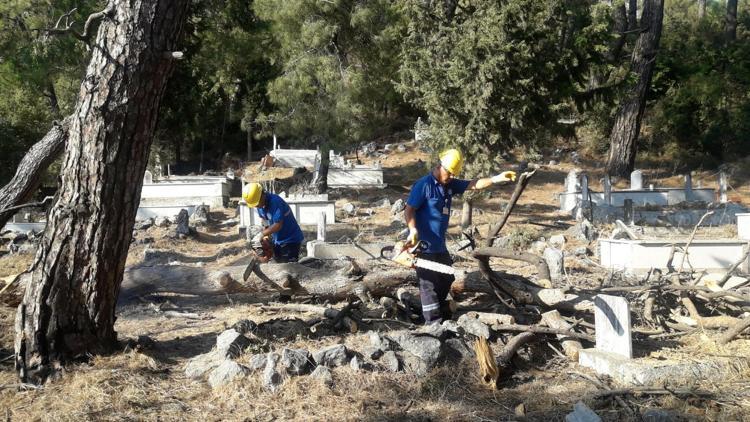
x=432, y=202
x=275, y=210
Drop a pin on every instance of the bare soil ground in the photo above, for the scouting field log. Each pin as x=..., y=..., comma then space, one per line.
x=150, y=384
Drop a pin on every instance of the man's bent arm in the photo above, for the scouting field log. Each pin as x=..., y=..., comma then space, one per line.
x=273, y=229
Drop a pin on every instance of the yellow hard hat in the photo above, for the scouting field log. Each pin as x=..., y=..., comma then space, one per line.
x=251, y=194
x=452, y=160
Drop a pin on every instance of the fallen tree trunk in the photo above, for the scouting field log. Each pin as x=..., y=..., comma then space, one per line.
x=28, y=176
x=571, y=347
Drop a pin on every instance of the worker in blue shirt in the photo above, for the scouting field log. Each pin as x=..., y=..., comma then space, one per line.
x=285, y=233
x=428, y=210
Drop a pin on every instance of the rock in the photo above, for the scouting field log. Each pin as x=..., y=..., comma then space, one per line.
x=581, y=251
x=555, y=262
x=332, y=356
x=582, y=413
x=425, y=347
x=552, y=162
x=349, y=208
x=537, y=247
x=451, y=326
x=659, y=415
x=162, y=222
x=383, y=203
x=230, y=343
x=439, y=331
x=457, y=349
x=401, y=148
x=557, y=241
x=202, y=364
x=356, y=364
x=474, y=326
x=183, y=226
x=583, y=230
x=227, y=372
x=143, y=224
x=323, y=374
x=381, y=342
x=415, y=365
x=501, y=242
x=390, y=361
x=16, y=237
x=388, y=148
x=144, y=241
x=296, y=361
x=373, y=353
x=258, y=362
x=398, y=206
x=245, y=326
x=200, y=216
x=272, y=379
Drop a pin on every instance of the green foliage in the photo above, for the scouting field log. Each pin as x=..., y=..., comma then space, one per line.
x=701, y=111
x=337, y=62
x=499, y=73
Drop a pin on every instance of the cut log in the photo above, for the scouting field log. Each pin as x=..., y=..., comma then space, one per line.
x=570, y=346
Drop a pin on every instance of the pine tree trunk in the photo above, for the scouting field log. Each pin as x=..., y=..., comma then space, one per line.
x=632, y=14
x=624, y=137
x=320, y=183
x=25, y=182
x=730, y=27
x=68, y=310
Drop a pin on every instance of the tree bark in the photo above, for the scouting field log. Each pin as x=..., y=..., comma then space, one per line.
x=620, y=27
x=701, y=9
x=320, y=183
x=25, y=182
x=730, y=26
x=68, y=310
x=624, y=137
x=632, y=14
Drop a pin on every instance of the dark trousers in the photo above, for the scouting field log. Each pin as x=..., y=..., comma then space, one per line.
x=288, y=252
x=434, y=288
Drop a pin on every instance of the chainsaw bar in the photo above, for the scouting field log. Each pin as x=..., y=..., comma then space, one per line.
x=407, y=258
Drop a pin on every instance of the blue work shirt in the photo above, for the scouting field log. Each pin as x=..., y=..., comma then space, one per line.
x=432, y=202
x=275, y=210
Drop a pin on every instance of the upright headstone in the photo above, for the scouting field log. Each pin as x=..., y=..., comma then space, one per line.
x=689, y=186
x=148, y=178
x=322, y=227
x=636, y=180
x=584, y=188
x=275, y=145
x=158, y=167
x=571, y=182
x=628, y=211
x=723, y=183
x=607, y=184
x=612, y=320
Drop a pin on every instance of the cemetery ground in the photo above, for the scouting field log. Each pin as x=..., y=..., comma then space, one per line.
x=160, y=333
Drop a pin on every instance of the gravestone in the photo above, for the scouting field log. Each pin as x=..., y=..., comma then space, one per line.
x=636, y=180
x=723, y=183
x=689, y=187
x=322, y=227
x=571, y=181
x=148, y=178
x=628, y=211
x=607, y=184
x=612, y=320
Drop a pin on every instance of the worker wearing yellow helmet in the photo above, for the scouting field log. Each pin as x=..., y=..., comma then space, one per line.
x=281, y=225
x=427, y=213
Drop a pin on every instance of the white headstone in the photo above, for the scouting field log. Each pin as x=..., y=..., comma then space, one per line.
x=612, y=320
x=723, y=183
x=571, y=181
x=148, y=178
x=636, y=180
x=322, y=227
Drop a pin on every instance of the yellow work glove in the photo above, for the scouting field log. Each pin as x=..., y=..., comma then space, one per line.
x=506, y=176
x=412, y=238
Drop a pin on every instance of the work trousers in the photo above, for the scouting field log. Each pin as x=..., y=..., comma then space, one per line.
x=288, y=252
x=434, y=288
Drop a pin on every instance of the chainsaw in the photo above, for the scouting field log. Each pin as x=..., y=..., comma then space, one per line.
x=263, y=252
x=407, y=256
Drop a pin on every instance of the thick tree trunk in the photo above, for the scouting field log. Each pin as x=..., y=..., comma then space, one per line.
x=25, y=182
x=320, y=183
x=632, y=14
x=68, y=310
x=701, y=9
x=730, y=26
x=624, y=137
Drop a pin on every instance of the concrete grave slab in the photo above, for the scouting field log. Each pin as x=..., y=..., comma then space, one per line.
x=306, y=211
x=743, y=226
x=145, y=212
x=612, y=320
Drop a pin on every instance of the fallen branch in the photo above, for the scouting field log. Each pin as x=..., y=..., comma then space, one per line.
x=523, y=180
x=733, y=268
x=690, y=239
x=542, y=330
x=571, y=347
x=734, y=331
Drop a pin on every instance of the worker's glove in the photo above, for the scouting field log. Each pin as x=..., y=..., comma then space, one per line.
x=257, y=240
x=412, y=238
x=506, y=176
